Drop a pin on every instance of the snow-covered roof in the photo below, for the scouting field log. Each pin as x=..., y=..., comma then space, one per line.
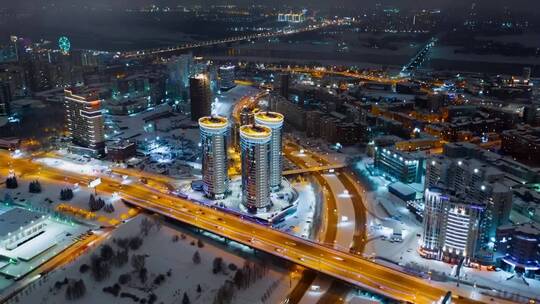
x=16, y=218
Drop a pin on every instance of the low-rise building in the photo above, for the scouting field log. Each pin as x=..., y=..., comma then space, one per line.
x=520, y=245
x=407, y=167
x=18, y=225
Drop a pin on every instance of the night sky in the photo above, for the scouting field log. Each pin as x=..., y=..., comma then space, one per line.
x=515, y=5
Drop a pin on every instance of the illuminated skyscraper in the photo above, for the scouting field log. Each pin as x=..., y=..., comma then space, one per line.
x=214, y=131
x=273, y=121
x=226, y=76
x=85, y=122
x=255, y=145
x=452, y=227
x=201, y=96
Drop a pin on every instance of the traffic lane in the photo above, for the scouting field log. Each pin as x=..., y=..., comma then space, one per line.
x=296, y=251
x=305, y=249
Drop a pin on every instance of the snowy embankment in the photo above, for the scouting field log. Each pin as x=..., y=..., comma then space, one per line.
x=171, y=262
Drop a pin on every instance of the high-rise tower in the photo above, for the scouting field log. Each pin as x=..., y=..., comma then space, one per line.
x=201, y=96
x=255, y=145
x=273, y=121
x=214, y=131
x=85, y=121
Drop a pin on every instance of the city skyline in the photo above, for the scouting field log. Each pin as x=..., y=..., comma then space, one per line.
x=283, y=152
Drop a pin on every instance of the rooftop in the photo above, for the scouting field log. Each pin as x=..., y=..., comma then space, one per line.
x=213, y=122
x=255, y=131
x=271, y=117
x=14, y=219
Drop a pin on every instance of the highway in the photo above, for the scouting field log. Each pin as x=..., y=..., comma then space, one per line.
x=312, y=169
x=338, y=264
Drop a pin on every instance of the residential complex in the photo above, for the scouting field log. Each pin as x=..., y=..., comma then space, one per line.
x=85, y=121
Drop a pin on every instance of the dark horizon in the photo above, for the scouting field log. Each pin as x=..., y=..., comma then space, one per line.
x=485, y=5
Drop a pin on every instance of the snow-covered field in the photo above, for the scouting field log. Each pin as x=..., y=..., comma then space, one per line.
x=168, y=249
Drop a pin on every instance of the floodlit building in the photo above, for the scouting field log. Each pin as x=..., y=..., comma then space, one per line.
x=477, y=180
x=85, y=122
x=274, y=121
x=226, y=77
x=520, y=245
x=407, y=167
x=255, y=146
x=19, y=225
x=201, y=96
x=452, y=227
x=214, y=131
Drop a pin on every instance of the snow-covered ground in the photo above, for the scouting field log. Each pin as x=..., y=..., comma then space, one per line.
x=300, y=224
x=90, y=167
x=49, y=199
x=185, y=275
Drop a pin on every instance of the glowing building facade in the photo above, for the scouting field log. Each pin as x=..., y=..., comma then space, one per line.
x=255, y=146
x=226, y=77
x=214, y=131
x=274, y=121
x=452, y=228
x=85, y=122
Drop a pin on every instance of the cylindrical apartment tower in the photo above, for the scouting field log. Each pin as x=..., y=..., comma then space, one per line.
x=274, y=121
x=214, y=131
x=255, y=145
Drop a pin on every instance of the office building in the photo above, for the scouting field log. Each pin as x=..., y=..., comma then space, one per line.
x=255, y=145
x=284, y=84
x=200, y=95
x=520, y=245
x=179, y=70
x=121, y=151
x=274, y=121
x=477, y=180
x=214, y=131
x=226, y=77
x=20, y=226
x=452, y=227
x=85, y=122
x=407, y=167
x=5, y=98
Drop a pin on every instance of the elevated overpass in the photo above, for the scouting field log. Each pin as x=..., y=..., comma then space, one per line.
x=338, y=264
x=313, y=169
